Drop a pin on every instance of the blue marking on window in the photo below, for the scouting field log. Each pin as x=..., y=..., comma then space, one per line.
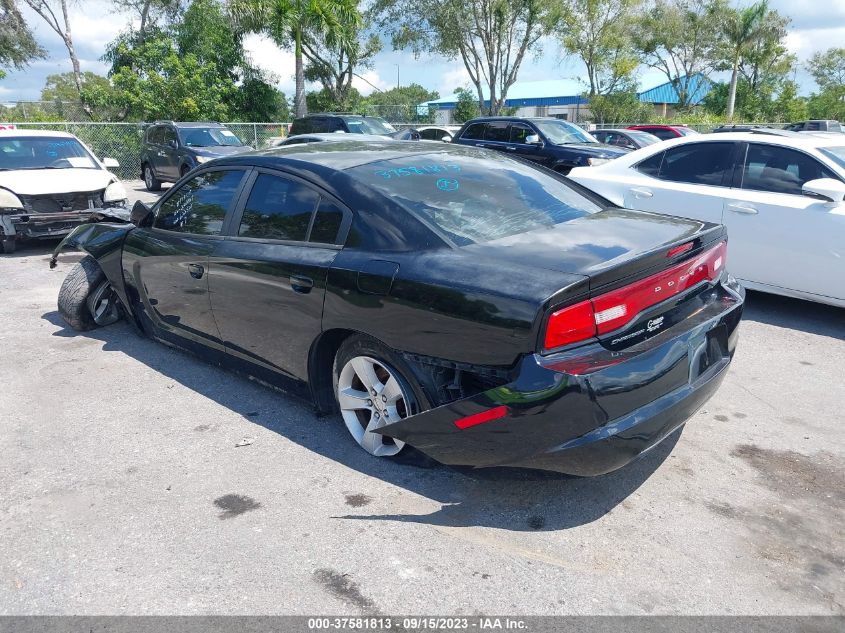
x=418, y=170
x=448, y=184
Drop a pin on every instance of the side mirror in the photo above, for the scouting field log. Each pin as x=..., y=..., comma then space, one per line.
x=826, y=189
x=446, y=139
x=110, y=163
x=141, y=215
x=533, y=139
x=172, y=144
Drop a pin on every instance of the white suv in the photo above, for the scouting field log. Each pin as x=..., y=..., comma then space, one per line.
x=780, y=194
x=49, y=184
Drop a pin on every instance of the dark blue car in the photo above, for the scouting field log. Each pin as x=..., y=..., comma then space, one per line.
x=553, y=143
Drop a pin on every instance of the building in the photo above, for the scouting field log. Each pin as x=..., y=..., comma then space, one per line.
x=564, y=99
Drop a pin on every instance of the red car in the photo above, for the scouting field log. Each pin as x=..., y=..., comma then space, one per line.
x=665, y=132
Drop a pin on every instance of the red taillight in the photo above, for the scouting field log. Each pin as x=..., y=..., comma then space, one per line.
x=678, y=250
x=480, y=418
x=614, y=309
x=569, y=325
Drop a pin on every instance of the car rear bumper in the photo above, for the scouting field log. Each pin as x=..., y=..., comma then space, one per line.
x=589, y=411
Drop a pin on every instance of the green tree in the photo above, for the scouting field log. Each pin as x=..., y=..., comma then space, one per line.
x=623, y=106
x=154, y=80
x=828, y=70
x=324, y=100
x=466, y=108
x=743, y=28
x=490, y=37
x=297, y=23
x=151, y=13
x=400, y=104
x=599, y=33
x=334, y=62
x=682, y=39
x=17, y=44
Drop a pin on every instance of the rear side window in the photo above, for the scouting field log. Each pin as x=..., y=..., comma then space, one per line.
x=432, y=134
x=301, y=126
x=651, y=166
x=326, y=223
x=154, y=135
x=278, y=209
x=697, y=163
x=474, y=132
x=662, y=134
x=780, y=169
x=200, y=205
x=497, y=131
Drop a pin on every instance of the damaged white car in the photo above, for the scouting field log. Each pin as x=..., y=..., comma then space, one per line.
x=50, y=183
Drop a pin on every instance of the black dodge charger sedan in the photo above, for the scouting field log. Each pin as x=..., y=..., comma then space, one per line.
x=484, y=311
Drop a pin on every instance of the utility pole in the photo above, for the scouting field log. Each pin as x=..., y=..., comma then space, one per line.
x=397, y=75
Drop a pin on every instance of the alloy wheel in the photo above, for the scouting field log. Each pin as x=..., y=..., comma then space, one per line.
x=370, y=397
x=102, y=304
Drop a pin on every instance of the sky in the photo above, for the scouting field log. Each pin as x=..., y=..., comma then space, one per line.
x=815, y=26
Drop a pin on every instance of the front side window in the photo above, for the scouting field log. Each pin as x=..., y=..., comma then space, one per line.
x=780, y=169
x=278, y=209
x=472, y=199
x=200, y=205
x=697, y=163
x=169, y=134
x=519, y=132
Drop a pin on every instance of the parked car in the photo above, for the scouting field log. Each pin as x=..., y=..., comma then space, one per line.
x=665, y=132
x=350, y=123
x=443, y=133
x=170, y=149
x=301, y=139
x=815, y=126
x=553, y=143
x=450, y=298
x=626, y=139
x=50, y=183
x=781, y=198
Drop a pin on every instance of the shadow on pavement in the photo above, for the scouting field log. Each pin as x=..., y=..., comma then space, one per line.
x=504, y=498
x=795, y=314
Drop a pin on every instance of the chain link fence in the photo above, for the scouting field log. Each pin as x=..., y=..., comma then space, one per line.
x=123, y=141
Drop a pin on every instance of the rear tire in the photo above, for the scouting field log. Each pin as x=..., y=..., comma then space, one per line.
x=150, y=181
x=373, y=387
x=9, y=245
x=86, y=298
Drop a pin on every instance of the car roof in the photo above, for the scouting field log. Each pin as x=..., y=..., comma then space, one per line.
x=795, y=139
x=345, y=154
x=23, y=132
x=339, y=136
x=189, y=123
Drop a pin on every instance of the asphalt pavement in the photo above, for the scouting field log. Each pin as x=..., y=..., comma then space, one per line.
x=138, y=480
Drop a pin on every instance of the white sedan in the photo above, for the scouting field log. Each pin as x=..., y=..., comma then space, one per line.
x=781, y=196
x=50, y=183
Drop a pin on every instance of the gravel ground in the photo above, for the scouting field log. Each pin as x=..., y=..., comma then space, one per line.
x=125, y=490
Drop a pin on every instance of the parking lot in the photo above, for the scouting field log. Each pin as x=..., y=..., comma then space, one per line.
x=138, y=480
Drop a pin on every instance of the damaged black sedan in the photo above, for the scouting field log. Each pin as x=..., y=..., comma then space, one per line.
x=481, y=310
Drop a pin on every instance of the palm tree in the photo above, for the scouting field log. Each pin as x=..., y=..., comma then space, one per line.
x=743, y=28
x=293, y=22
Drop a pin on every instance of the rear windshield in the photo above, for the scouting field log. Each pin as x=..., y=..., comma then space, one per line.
x=476, y=199
x=836, y=154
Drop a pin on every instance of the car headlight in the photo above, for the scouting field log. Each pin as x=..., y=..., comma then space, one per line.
x=203, y=159
x=115, y=192
x=8, y=200
x=594, y=162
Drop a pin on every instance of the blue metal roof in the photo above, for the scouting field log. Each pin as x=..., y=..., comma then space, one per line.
x=529, y=93
x=697, y=86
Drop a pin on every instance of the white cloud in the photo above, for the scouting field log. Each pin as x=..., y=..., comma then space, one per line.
x=279, y=64
x=369, y=81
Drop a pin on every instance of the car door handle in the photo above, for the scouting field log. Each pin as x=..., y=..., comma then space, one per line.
x=511, y=148
x=642, y=193
x=747, y=209
x=301, y=284
x=196, y=270
x=480, y=145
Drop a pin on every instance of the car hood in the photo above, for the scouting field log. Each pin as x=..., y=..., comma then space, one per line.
x=595, y=244
x=599, y=150
x=31, y=182
x=221, y=150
